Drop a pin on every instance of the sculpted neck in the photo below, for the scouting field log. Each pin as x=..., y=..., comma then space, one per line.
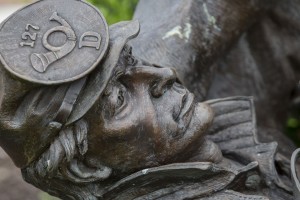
x=208, y=152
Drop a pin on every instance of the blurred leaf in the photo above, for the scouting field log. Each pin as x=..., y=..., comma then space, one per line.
x=45, y=196
x=116, y=10
x=293, y=129
x=293, y=123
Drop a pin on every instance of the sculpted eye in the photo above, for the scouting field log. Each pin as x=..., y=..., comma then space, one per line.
x=131, y=61
x=120, y=100
x=115, y=98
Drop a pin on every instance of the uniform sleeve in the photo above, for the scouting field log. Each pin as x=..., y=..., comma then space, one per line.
x=191, y=35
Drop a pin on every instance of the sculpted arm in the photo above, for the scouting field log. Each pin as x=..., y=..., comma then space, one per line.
x=11, y=93
x=191, y=35
x=26, y=111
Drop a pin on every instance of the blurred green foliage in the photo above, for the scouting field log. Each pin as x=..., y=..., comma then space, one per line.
x=293, y=129
x=116, y=10
x=45, y=196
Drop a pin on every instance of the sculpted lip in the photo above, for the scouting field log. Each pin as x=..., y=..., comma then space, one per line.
x=186, y=112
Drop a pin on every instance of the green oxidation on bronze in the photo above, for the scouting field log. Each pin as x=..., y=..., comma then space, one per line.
x=253, y=181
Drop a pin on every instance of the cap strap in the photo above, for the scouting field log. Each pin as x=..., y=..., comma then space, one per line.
x=69, y=101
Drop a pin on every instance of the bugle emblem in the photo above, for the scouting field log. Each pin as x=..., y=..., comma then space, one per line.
x=53, y=41
x=41, y=62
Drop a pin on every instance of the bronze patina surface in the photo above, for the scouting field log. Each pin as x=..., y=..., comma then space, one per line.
x=129, y=128
x=47, y=38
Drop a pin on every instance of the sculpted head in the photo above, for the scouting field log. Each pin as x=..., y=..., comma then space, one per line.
x=143, y=117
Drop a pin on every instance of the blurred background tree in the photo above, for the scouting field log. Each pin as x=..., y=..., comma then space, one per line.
x=116, y=10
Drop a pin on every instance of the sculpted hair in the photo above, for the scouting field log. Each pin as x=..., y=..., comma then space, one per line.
x=61, y=170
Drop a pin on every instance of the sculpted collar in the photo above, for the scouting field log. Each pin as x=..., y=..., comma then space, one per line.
x=234, y=121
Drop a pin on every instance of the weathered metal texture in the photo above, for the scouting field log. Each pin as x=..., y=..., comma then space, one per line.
x=50, y=44
x=135, y=131
x=294, y=174
x=227, y=48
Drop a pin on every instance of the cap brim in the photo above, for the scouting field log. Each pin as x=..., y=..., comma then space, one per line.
x=120, y=34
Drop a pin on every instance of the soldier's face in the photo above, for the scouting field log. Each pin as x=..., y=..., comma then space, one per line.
x=146, y=119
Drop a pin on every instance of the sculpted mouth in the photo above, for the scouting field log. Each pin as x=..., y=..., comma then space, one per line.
x=186, y=112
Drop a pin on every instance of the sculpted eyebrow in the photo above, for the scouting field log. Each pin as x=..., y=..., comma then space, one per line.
x=113, y=82
x=119, y=72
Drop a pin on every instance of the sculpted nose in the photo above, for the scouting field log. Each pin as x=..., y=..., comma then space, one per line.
x=162, y=81
x=157, y=79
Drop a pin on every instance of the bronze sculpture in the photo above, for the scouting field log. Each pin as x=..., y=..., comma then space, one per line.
x=116, y=132
x=228, y=48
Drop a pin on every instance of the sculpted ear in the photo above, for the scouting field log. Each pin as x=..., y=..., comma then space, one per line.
x=76, y=170
x=79, y=172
